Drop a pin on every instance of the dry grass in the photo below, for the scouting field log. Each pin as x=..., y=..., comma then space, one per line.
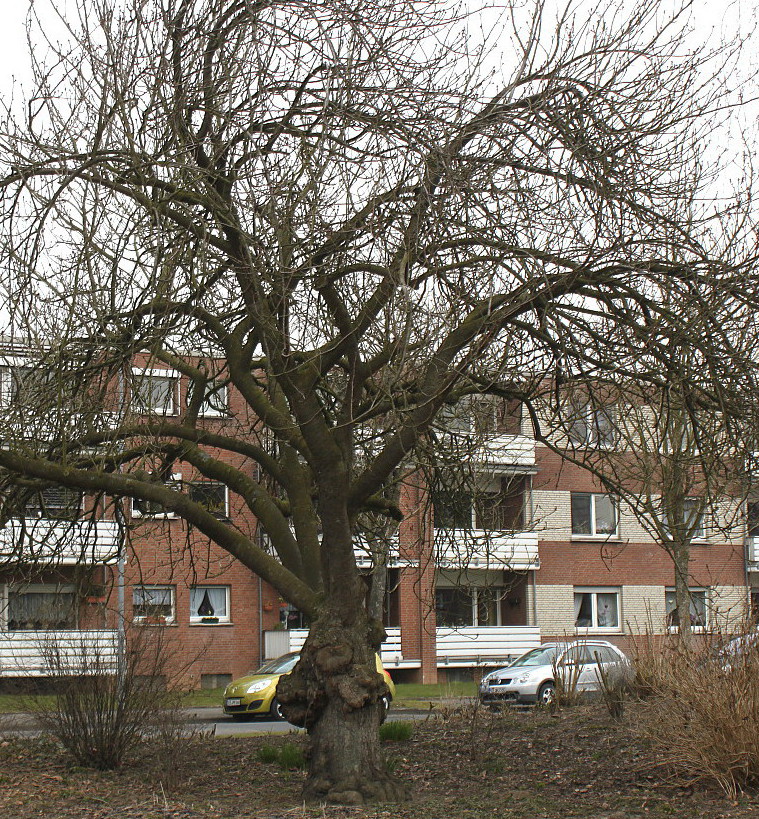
x=702, y=716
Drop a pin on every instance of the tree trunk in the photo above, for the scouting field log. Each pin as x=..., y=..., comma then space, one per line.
x=682, y=592
x=334, y=693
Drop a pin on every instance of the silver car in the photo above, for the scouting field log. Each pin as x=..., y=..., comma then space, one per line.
x=531, y=677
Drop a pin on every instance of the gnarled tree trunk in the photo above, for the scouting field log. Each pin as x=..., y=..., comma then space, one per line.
x=334, y=692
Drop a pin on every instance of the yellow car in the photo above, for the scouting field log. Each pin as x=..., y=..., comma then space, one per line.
x=255, y=693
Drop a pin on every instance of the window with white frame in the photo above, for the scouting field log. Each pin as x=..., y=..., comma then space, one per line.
x=597, y=609
x=209, y=604
x=593, y=426
x=41, y=607
x=23, y=383
x=216, y=401
x=594, y=515
x=153, y=604
x=752, y=519
x=692, y=519
x=211, y=495
x=143, y=508
x=698, y=608
x=155, y=391
x=461, y=606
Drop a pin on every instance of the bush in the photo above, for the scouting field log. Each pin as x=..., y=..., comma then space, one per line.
x=614, y=684
x=702, y=719
x=100, y=711
x=396, y=731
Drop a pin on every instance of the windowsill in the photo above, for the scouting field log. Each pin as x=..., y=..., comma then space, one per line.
x=596, y=538
x=194, y=623
x=598, y=630
x=148, y=624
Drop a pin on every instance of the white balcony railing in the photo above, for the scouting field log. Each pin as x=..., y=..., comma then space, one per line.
x=516, y=451
x=484, y=645
x=277, y=643
x=457, y=548
x=59, y=542
x=24, y=653
x=753, y=553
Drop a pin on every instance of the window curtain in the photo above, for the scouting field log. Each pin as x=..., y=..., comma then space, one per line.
x=208, y=601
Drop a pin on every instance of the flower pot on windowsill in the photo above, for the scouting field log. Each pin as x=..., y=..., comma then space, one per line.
x=209, y=619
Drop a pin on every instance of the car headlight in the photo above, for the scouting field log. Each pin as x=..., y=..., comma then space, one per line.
x=258, y=686
x=524, y=677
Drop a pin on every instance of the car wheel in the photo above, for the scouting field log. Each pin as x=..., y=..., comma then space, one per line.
x=275, y=709
x=547, y=693
x=384, y=704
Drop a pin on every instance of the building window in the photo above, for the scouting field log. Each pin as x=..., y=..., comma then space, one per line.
x=468, y=606
x=41, y=607
x=55, y=503
x=153, y=604
x=209, y=604
x=216, y=402
x=692, y=527
x=497, y=506
x=155, y=391
x=24, y=385
x=752, y=518
x=142, y=508
x=593, y=426
x=212, y=496
x=594, y=515
x=597, y=609
x=698, y=608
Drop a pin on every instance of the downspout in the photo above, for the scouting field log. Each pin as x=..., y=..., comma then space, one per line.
x=534, y=571
x=121, y=592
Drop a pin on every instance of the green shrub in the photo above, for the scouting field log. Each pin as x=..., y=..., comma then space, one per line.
x=396, y=731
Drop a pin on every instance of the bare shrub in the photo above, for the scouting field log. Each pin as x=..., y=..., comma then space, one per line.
x=103, y=708
x=652, y=658
x=614, y=683
x=566, y=676
x=702, y=719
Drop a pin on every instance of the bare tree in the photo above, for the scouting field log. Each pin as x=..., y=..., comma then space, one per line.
x=344, y=215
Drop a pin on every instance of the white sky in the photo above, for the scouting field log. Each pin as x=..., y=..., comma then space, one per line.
x=710, y=17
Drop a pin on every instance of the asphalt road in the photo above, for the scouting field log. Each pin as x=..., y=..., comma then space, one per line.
x=207, y=720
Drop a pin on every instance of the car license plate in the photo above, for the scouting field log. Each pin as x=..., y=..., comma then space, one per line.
x=232, y=701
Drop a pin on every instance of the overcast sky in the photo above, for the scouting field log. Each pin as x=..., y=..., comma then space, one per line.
x=711, y=17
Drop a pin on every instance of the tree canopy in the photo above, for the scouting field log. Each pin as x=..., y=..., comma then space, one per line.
x=349, y=215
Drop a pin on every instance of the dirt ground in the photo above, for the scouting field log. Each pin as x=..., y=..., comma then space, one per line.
x=465, y=764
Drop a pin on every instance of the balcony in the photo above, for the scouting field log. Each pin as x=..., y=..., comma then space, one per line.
x=752, y=553
x=477, y=549
x=509, y=451
x=22, y=653
x=503, y=454
x=484, y=645
x=277, y=643
x=59, y=542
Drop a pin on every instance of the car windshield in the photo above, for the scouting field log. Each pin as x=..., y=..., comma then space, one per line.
x=279, y=666
x=538, y=656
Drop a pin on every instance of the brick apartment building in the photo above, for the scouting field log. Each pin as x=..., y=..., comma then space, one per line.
x=468, y=585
